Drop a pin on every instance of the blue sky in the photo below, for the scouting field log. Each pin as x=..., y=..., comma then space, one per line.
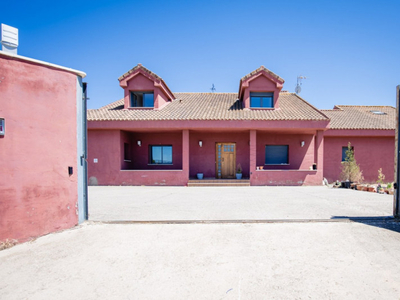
x=348, y=50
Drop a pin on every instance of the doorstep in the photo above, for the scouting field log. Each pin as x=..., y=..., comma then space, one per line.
x=218, y=182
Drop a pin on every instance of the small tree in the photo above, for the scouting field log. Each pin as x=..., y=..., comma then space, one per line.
x=381, y=177
x=350, y=169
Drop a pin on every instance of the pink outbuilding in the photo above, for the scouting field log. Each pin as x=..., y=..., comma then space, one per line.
x=42, y=147
x=154, y=136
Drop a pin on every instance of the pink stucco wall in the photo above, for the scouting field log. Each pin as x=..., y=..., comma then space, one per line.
x=189, y=158
x=300, y=159
x=286, y=177
x=125, y=138
x=370, y=152
x=202, y=159
x=261, y=84
x=37, y=196
x=140, y=154
x=281, y=126
x=107, y=147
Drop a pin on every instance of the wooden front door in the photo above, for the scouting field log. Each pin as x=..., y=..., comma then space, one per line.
x=225, y=160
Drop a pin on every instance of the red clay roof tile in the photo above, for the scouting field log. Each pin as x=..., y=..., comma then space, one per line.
x=211, y=106
x=361, y=117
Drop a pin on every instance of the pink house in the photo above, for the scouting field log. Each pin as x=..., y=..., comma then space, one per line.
x=156, y=137
x=371, y=131
x=42, y=147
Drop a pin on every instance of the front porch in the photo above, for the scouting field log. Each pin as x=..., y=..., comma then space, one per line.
x=217, y=155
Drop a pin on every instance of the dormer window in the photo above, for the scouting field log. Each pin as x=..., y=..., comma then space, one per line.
x=261, y=100
x=142, y=99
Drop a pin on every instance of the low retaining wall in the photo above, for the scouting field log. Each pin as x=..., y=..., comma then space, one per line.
x=286, y=177
x=146, y=177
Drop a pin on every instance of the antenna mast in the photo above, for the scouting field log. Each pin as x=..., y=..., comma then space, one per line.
x=213, y=89
x=299, y=83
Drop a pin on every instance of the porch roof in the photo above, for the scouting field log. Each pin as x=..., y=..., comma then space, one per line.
x=361, y=117
x=211, y=106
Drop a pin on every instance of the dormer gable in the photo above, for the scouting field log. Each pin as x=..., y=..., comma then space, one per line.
x=144, y=89
x=260, y=89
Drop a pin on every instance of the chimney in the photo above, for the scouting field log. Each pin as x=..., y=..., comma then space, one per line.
x=9, y=39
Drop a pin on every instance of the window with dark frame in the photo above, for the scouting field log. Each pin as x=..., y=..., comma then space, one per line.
x=142, y=99
x=127, y=152
x=344, y=149
x=276, y=154
x=2, y=126
x=262, y=100
x=161, y=155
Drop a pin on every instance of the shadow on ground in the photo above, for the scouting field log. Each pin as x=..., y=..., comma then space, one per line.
x=388, y=222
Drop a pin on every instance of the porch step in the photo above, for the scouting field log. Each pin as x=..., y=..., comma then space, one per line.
x=218, y=182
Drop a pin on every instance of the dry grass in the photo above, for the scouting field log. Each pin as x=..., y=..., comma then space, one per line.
x=7, y=244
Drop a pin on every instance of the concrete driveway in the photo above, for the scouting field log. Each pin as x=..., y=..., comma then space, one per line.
x=317, y=260
x=288, y=259
x=127, y=203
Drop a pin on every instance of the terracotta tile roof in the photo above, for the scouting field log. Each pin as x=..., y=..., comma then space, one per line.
x=210, y=106
x=139, y=66
x=361, y=117
x=262, y=68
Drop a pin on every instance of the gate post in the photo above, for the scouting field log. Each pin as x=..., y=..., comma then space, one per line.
x=396, y=198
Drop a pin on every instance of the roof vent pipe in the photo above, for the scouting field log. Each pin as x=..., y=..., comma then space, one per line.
x=9, y=39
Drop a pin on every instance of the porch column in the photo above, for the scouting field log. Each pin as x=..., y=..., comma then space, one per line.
x=185, y=153
x=253, y=153
x=319, y=150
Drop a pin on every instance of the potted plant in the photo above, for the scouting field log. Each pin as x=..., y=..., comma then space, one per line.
x=199, y=175
x=239, y=172
x=371, y=188
x=390, y=189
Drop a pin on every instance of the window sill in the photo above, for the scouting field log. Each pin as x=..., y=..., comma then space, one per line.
x=160, y=164
x=141, y=108
x=127, y=160
x=262, y=108
x=277, y=165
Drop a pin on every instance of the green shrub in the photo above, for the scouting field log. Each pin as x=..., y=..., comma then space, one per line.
x=350, y=169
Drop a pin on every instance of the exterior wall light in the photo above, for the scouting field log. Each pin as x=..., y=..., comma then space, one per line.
x=139, y=143
x=302, y=143
x=201, y=143
x=2, y=126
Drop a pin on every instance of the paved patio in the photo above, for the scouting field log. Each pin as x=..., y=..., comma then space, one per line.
x=127, y=203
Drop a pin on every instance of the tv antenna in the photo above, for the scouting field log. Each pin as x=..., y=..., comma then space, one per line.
x=213, y=89
x=299, y=83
